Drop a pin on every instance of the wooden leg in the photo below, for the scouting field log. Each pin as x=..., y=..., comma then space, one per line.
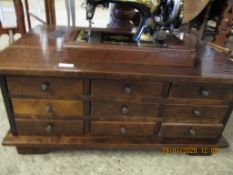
x=20, y=16
x=205, y=22
x=28, y=15
x=32, y=150
x=50, y=12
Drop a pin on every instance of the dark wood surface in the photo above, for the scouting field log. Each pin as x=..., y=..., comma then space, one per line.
x=49, y=127
x=119, y=128
x=39, y=54
x=30, y=150
x=111, y=105
x=44, y=87
x=109, y=108
x=47, y=107
x=127, y=89
x=109, y=142
x=184, y=51
x=192, y=130
x=201, y=91
x=193, y=113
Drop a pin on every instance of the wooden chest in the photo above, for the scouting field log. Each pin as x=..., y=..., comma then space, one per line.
x=109, y=105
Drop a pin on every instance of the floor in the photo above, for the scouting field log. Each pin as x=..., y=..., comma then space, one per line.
x=115, y=162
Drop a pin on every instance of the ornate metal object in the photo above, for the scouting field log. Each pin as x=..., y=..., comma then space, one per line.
x=156, y=15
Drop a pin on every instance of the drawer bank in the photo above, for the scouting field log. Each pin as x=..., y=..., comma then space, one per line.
x=111, y=105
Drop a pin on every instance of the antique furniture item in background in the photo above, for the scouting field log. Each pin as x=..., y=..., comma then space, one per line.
x=156, y=17
x=21, y=12
x=154, y=42
x=224, y=29
x=98, y=104
x=20, y=22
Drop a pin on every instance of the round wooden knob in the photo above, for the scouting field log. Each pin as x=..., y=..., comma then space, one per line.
x=49, y=128
x=124, y=110
x=45, y=86
x=123, y=130
x=192, y=132
x=196, y=113
x=128, y=89
x=48, y=108
x=204, y=93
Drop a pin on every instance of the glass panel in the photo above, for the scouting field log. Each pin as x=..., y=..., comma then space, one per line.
x=37, y=8
x=7, y=14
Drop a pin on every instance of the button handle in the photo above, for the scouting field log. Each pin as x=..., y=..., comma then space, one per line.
x=45, y=86
x=123, y=130
x=128, y=89
x=49, y=128
x=192, y=132
x=196, y=113
x=124, y=110
x=204, y=92
x=48, y=108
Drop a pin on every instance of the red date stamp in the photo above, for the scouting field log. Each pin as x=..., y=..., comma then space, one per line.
x=190, y=150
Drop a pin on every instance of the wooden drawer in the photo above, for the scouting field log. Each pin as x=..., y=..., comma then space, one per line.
x=123, y=128
x=126, y=89
x=107, y=108
x=44, y=87
x=202, y=91
x=185, y=130
x=47, y=107
x=193, y=113
x=49, y=127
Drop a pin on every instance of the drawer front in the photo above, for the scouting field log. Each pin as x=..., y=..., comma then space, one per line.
x=199, y=91
x=126, y=89
x=49, y=127
x=185, y=130
x=45, y=87
x=193, y=113
x=123, y=128
x=47, y=107
x=105, y=108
